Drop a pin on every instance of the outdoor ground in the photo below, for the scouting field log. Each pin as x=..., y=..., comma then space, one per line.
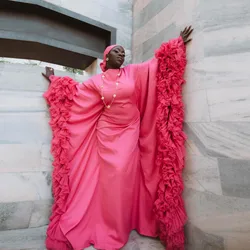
x=33, y=239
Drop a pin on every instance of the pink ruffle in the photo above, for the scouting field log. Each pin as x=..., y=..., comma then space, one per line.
x=59, y=97
x=169, y=206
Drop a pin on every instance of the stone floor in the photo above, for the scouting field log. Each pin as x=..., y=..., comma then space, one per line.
x=33, y=239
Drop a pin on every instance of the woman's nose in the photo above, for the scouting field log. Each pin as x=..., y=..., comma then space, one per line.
x=122, y=54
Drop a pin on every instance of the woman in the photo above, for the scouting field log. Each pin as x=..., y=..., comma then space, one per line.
x=118, y=150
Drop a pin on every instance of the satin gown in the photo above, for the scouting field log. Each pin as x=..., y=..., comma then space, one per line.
x=110, y=193
x=110, y=176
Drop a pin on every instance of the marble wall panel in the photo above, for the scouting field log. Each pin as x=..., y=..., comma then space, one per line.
x=18, y=157
x=16, y=101
x=229, y=104
x=138, y=5
x=156, y=24
x=196, y=106
x=219, y=139
x=15, y=215
x=203, y=206
x=148, y=12
x=40, y=213
x=25, y=186
x=235, y=177
x=218, y=72
x=203, y=174
x=26, y=127
x=198, y=239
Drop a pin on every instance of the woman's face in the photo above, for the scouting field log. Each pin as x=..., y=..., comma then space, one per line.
x=115, y=58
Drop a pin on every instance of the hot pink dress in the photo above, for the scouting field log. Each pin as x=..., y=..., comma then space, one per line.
x=106, y=179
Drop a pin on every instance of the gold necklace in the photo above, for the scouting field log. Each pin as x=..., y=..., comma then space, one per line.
x=108, y=106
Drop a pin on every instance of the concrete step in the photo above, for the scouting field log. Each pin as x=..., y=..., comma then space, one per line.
x=23, y=239
x=33, y=239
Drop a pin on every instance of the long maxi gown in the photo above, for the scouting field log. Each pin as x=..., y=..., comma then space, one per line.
x=119, y=169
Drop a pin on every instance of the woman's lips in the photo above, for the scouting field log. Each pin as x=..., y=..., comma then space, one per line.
x=120, y=59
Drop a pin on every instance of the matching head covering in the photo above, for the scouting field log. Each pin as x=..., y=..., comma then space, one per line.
x=104, y=62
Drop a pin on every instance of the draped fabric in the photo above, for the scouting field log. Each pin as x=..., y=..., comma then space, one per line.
x=119, y=169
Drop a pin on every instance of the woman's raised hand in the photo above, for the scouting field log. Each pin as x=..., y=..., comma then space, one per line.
x=48, y=72
x=185, y=34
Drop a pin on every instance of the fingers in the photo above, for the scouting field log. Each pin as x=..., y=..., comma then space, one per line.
x=186, y=33
x=183, y=32
x=188, y=41
x=190, y=32
x=189, y=28
x=186, y=30
x=49, y=70
x=45, y=76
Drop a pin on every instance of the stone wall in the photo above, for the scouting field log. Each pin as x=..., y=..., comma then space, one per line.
x=25, y=159
x=217, y=100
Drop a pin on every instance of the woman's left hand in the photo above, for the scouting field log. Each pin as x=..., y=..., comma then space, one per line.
x=185, y=34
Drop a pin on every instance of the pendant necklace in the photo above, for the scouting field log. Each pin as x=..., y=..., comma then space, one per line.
x=108, y=106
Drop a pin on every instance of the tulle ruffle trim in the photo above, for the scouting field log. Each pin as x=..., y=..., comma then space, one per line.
x=59, y=97
x=169, y=206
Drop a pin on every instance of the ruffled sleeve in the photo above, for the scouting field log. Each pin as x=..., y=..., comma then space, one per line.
x=74, y=110
x=162, y=138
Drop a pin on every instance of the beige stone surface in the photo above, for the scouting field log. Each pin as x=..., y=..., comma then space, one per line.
x=25, y=186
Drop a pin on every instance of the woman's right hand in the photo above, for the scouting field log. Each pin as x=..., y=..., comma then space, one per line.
x=48, y=72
